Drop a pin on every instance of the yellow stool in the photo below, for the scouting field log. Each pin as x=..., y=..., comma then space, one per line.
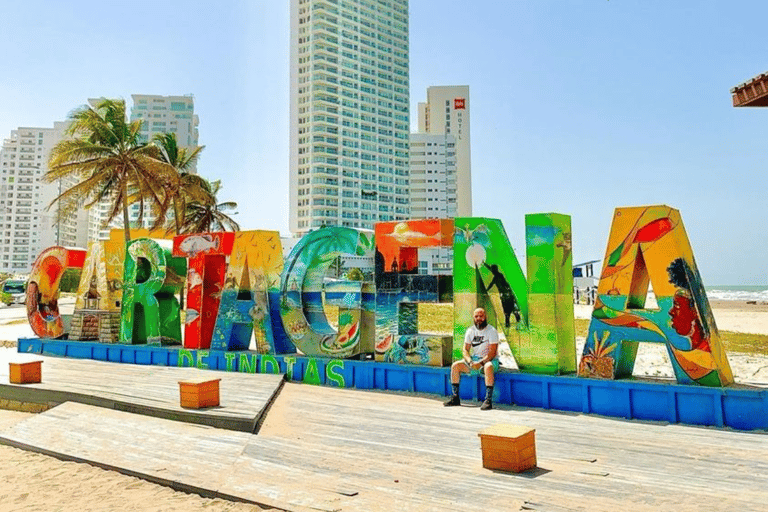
x=508, y=447
x=25, y=373
x=199, y=393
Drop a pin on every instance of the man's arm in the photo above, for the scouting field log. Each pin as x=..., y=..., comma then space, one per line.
x=492, y=351
x=493, y=346
x=465, y=354
x=467, y=345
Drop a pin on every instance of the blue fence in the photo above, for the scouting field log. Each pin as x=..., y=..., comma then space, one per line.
x=742, y=409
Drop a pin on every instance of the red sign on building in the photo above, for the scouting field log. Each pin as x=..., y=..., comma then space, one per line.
x=458, y=103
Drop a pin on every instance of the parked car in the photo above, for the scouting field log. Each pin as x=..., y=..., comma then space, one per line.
x=17, y=289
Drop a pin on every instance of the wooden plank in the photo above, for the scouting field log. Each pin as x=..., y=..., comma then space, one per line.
x=335, y=449
x=150, y=390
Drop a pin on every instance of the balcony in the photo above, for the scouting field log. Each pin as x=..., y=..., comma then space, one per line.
x=753, y=93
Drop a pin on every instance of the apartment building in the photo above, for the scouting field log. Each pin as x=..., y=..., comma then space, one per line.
x=433, y=176
x=349, y=113
x=27, y=224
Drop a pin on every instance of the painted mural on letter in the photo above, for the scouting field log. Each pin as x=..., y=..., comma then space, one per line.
x=151, y=280
x=100, y=293
x=43, y=289
x=549, y=261
x=649, y=245
x=487, y=275
x=302, y=287
x=253, y=274
x=400, y=288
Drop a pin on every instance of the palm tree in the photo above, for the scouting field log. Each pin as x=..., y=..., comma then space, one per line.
x=188, y=187
x=105, y=155
x=208, y=215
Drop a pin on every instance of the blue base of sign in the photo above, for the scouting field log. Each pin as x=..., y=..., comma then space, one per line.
x=742, y=409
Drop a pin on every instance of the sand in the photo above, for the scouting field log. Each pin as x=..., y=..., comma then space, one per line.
x=38, y=483
x=34, y=482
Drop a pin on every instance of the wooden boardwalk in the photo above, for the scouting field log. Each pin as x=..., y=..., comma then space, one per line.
x=148, y=390
x=334, y=449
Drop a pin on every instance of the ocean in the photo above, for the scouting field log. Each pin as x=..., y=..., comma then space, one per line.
x=757, y=293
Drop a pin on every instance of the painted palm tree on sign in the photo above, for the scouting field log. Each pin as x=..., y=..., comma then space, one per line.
x=105, y=155
x=187, y=186
x=209, y=215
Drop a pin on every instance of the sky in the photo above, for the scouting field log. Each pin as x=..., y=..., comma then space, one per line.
x=577, y=107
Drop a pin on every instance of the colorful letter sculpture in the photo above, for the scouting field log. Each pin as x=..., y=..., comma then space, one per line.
x=301, y=306
x=152, y=277
x=650, y=244
x=550, y=295
x=487, y=275
x=254, y=272
x=240, y=291
x=355, y=303
x=43, y=289
x=536, y=316
x=100, y=293
x=400, y=288
x=206, y=267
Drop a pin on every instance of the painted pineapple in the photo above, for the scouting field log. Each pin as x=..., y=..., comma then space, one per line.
x=596, y=362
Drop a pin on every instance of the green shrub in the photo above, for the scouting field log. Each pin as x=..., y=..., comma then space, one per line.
x=6, y=298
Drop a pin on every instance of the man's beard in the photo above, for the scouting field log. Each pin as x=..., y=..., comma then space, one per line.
x=481, y=325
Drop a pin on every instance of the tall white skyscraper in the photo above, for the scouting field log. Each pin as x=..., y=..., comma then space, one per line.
x=446, y=112
x=27, y=225
x=160, y=114
x=349, y=113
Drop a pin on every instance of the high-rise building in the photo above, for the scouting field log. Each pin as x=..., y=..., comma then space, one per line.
x=349, y=113
x=433, y=176
x=166, y=114
x=446, y=112
x=27, y=224
x=160, y=114
x=433, y=192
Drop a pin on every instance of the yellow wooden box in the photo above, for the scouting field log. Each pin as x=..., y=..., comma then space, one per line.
x=25, y=373
x=508, y=447
x=200, y=393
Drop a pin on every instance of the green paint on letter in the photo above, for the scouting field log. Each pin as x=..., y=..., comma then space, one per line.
x=289, y=362
x=332, y=373
x=311, y=375
x=230, y=357
x=247, y=363
x=200, y=355
x=272, y=361
x=186, y=358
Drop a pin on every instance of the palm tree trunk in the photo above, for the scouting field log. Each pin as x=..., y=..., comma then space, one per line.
x=177, y=222
x=176, y=219
x=126, y=222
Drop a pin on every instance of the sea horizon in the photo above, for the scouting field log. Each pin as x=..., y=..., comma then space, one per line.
x=738, y=292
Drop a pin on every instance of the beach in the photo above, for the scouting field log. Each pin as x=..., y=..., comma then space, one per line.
x=37, y=483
